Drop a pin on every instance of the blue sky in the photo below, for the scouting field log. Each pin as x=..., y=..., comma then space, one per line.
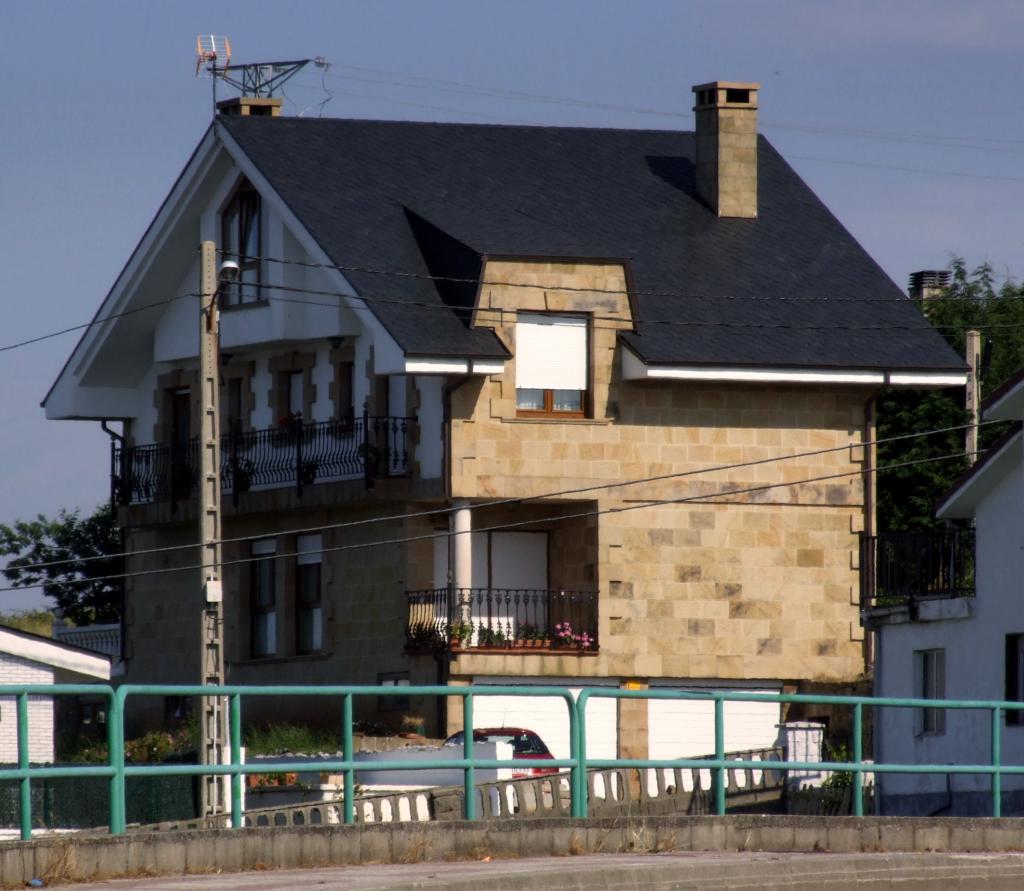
x=876, y=104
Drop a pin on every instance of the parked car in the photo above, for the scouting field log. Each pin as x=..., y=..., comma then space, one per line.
x=526, y=746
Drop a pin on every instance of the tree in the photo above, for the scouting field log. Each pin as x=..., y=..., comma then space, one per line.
x=907, y=495
x=78, y=583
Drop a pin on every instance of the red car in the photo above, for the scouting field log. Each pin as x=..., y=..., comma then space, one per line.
x=526, y=746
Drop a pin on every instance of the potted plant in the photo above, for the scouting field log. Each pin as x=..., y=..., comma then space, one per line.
x=458, y=633
x=490, y=637
x=531, y=636
x=413, y=726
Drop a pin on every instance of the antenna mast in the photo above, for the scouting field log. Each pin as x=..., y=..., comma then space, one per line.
x=255, y=80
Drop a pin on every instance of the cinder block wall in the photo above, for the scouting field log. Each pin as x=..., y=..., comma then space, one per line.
x=15, y=670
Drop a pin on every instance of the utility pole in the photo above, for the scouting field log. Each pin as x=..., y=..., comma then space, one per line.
x=972, y=402
x=212, y=711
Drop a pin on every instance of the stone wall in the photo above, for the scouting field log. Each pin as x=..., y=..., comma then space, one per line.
x=695, y=581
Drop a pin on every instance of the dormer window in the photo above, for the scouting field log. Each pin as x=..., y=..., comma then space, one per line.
x=551, y=365
x=241, y=240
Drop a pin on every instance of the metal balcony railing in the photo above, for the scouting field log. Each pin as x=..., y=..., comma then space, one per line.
x=294, y=453
x=505, y=618
x=903, y=568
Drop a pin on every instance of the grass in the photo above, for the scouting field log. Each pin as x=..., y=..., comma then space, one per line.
x=299, y=739
x=34, y=621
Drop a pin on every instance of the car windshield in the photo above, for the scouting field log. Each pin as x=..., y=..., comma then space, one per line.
x=522, y=743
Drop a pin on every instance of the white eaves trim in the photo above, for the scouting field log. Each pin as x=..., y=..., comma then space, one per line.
x=421, y=365
x=47, y=652
x=962, y=502
x=634, y=368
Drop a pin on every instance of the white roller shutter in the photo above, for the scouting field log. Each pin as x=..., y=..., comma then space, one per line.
x=551, y=352
x=548, y=717
x=681, y=728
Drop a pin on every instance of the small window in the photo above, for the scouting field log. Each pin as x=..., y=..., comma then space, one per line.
x=308, y=599
x=1015, y=677
x=551, y=365
x=396, y=703
x=241, y=241
x=930, y=668
x=263, y=600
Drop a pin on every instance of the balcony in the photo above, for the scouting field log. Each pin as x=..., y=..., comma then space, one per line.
x=502, y=620
x=903, y=570
x=292, y=454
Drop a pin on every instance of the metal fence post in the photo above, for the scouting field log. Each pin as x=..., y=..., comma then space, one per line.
x=235, y=705
x=115, y=750
x=24, y=784
x=719, y=755
x=469, y=777
x=348, y=804
x=577, y=750
x=858, y=758
x=997, y=777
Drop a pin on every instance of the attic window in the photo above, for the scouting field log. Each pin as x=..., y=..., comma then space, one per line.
x=241, y=227
x=551, y=365
x=737, y=97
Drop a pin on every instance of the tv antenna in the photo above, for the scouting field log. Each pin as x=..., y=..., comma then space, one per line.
x=256, y=80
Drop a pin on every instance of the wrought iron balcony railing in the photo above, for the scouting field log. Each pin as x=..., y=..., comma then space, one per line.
x=903, y=568
x=505, y=618
x=292, y=454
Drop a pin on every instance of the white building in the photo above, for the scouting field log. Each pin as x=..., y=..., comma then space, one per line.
x=950, y=625
x=29, y=659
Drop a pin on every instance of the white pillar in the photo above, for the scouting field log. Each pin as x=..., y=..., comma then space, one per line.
x=462, y=547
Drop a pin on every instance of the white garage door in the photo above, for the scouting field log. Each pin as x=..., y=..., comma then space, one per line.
x=548, y=717
x=686, y=728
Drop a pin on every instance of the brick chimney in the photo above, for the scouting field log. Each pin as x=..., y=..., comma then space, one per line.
x=251, y=106
x=726, y=116
x=928, y=283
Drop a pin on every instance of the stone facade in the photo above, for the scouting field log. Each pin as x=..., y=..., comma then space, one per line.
x=741, y=573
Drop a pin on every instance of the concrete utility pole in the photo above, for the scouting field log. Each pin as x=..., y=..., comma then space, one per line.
x=973, y=399
x=213, y=722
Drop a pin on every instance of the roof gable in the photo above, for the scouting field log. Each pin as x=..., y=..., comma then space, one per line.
x=44, y=651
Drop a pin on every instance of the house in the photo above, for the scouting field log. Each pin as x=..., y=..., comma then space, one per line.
x=30, y=659
x=506, y=404
x=947, y=616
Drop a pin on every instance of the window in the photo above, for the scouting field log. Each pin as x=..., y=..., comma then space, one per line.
x=551, y=365
x=1015, y=677
x=308, y=601
x=240, y=240
x=930, y=668
x=395, y=703
x=346, y=397
x=262, y=604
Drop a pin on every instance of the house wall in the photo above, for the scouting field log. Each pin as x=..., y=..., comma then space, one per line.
x=15, y=670
x=975, y=669
x=760, y=585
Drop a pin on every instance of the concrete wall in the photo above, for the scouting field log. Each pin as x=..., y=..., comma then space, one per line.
x=179, y=853
x=975, y=669
x=15, y=670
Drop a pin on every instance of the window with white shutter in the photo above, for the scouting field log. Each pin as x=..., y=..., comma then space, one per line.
x=552, y=365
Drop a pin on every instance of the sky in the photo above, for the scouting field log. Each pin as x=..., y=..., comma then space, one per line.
x=904, y=116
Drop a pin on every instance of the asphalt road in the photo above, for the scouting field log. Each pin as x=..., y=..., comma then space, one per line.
x=603, y=872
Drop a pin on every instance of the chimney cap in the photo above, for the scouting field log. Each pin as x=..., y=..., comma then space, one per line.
x=726, y=94
x=253, y=106
x=930, y=278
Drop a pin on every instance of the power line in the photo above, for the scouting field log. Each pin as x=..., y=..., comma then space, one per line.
x=705, y=498
x=116, y=315
x=520, y=499
x=419, y=82
x=918, y=170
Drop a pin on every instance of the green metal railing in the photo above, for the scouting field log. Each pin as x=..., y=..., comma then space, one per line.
x=577, y=764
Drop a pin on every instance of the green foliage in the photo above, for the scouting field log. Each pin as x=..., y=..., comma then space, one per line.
x=35, y=621
x=298, y=739
x=907, y=495
x=77, y=585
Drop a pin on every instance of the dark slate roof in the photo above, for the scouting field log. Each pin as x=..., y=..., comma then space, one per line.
x=437, y=198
